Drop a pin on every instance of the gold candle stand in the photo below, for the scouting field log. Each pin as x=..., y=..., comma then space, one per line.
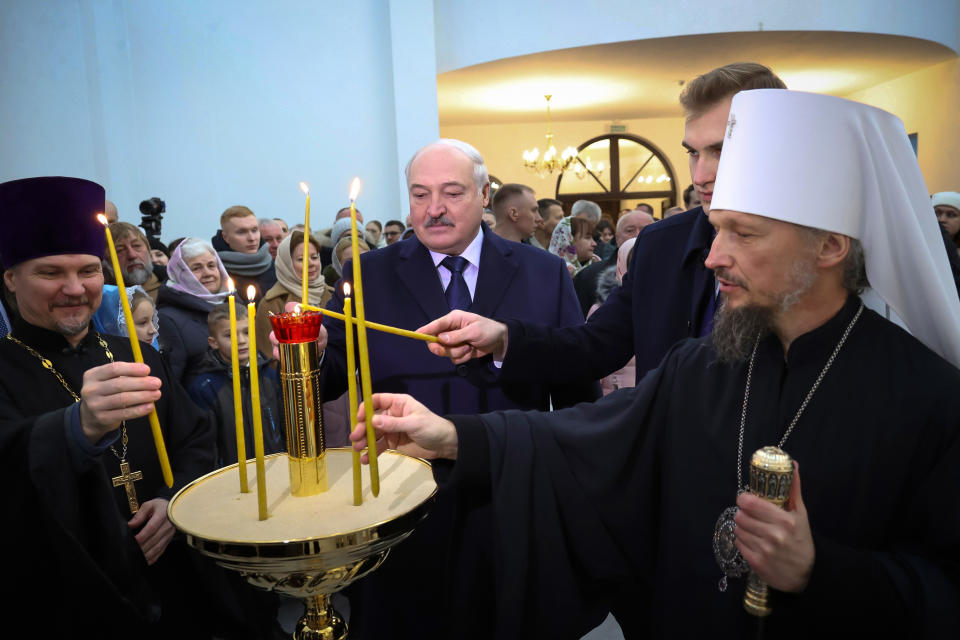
x=300, y=380
x=310, y=547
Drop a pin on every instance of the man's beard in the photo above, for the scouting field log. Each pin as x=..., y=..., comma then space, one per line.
x=736, y=331
x=76, y=325
x=138, y=275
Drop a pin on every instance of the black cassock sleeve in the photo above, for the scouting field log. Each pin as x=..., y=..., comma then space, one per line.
x=574, y=494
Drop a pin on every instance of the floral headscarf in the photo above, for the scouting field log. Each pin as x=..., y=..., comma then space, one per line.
x=561, y=244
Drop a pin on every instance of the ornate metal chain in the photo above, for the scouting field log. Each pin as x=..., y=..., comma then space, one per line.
x=746, y=395
x=48, y=365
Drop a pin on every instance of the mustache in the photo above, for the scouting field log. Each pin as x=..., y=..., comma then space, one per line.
x=442, y=221
x=723, y=274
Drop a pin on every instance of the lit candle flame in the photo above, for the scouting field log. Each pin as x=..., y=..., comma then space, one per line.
x=251, y=293
x=305, y=188
x=354, y=189
x=230, y=286
x=103, y=219
x=297, y=310
x=346, y=288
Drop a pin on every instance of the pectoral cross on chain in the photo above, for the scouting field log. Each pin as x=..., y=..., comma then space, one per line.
x=126, y=478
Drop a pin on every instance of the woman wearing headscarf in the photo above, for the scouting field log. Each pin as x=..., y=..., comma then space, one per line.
x=946, y=205
x=573, y=241
x=198, y=282
x=109, y=317
x=289, y=287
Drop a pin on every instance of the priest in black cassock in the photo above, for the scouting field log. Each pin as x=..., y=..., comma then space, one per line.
x=73, y=410
x=626, y=494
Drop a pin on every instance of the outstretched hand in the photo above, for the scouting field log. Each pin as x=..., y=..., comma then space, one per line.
x=464, y=336
x=777, y=543
x=403, y=424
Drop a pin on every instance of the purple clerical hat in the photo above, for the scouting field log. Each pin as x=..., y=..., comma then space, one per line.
x=50, y=216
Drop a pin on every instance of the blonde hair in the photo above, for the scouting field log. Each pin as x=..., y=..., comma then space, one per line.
x=236, y=211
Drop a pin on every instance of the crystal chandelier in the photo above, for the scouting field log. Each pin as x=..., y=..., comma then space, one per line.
x=551, y=160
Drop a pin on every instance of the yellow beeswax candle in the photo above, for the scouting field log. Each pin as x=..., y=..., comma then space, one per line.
x=352, y=391
x=365, y=382
x=255, y=408
x=237, y=398
x=137, y=354
x=306, y=244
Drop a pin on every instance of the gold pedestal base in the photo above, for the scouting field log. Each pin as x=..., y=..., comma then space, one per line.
x=755, y=599
x=309, y=547
x=308, y=476
x=321, y=621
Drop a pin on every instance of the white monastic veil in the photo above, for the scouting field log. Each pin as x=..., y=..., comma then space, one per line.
x=845, y=167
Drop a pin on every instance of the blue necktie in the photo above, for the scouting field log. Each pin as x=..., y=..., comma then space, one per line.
x=457, y=293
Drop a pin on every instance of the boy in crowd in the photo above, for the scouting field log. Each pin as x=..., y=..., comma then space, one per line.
x=211, y=387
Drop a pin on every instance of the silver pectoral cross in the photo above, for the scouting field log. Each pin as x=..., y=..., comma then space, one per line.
x=127, y=478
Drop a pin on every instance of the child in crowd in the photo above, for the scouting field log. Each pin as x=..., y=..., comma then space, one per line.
x=211, y=387
x=109, y=317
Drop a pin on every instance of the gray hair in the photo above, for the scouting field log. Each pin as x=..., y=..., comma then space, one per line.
x=854, y=265
x=480, y=175
x=193, y=247
x=263, y=221
x=590, y=210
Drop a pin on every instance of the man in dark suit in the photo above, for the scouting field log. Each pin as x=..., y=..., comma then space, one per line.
x=452, y=262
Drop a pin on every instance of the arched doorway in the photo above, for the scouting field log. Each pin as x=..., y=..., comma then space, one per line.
x=635, y=170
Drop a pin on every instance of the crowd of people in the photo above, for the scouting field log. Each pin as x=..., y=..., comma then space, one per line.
x=608, y=356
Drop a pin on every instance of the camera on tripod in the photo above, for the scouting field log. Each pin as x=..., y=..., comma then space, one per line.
x=152, y=211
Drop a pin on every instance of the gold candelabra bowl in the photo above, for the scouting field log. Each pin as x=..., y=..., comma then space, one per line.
x=310, y=547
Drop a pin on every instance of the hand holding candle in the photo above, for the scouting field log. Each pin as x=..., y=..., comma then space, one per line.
x=255, y=408
x=137, y=354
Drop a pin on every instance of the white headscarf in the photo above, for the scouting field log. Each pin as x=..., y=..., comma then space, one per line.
x=845, y=167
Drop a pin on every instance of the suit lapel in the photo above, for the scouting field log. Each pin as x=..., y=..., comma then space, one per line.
x=419, y=276
x=497, y=268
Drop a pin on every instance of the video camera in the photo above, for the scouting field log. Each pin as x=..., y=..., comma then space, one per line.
x=152, y=211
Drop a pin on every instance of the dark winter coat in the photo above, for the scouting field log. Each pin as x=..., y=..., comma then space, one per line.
x=183, y=330
x=211, y=388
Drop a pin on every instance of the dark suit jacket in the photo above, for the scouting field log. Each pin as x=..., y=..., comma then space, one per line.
x=439, y=583
x=402, y=288
x=662, y=300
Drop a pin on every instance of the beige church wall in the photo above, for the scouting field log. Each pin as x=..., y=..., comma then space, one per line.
x=927, y=102
x=503, y=145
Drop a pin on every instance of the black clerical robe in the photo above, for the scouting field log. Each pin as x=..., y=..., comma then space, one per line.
x=72, y=560
x=623, y=495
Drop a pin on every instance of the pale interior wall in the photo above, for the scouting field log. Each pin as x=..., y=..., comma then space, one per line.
x=928, y=102
x=503, y=145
